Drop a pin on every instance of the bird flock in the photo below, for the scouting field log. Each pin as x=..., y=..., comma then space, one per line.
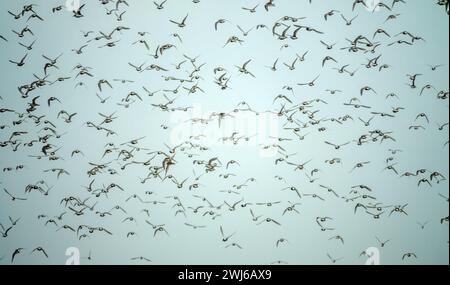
x=121, y=131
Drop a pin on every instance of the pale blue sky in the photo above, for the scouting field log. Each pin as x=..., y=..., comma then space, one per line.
x=60, y=33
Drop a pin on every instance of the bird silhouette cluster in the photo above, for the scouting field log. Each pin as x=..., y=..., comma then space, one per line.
x=88, y=155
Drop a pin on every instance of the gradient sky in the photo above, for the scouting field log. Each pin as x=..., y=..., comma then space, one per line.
x=59, y=33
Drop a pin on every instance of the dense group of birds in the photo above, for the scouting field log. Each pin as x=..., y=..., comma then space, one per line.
x=196, y=185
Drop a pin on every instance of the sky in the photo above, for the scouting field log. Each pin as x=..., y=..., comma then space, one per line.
x=59, y=33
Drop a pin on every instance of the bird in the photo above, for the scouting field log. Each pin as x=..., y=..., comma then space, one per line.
x=79, y=51
x=349, y=22
x=330, y=13
x=311, y=83
x=14, y=198
x=292, y=65
x=281, y=241
x=409, y=255
x=244, y=69
x=141, y=258
x=77, y=12
x=245, y=33
x=28, y=47
x=337, y=146
x=4, y=232
x=40, y=250
x=160, y=5
x=252, y=120
x=52, y=99
x=21, y=62
x=181, y=24
x=269, y=4
x=332, y=259
x=382, y=243
x=251, y=10
x=15, y=253
x=435, y=67
x=423, y=225
x=226, y=238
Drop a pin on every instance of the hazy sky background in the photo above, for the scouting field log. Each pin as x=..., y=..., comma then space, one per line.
x=60, y=33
